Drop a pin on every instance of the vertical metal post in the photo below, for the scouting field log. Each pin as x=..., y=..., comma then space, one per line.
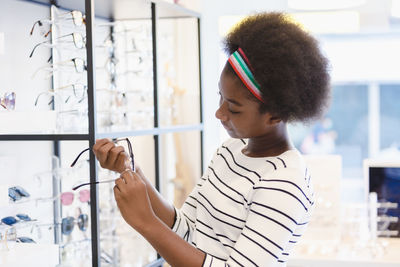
x=155, y=95
x=91, y=82
x=201, y=100
x=56, y=183
x=56, y=191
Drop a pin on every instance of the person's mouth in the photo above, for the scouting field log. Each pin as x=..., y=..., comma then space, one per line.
x=225, y=126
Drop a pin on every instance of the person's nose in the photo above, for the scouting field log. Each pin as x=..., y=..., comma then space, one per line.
x=220, y=113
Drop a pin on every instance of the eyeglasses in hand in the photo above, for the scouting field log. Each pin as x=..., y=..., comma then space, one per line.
x=112, y=180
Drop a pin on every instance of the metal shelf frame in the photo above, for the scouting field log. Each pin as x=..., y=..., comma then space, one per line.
x=159, y=9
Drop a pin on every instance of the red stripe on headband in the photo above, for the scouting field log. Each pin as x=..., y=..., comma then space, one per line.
x=244, y=81
x=245, y=59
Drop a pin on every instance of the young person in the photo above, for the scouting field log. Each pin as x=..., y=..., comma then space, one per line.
x=256, y=197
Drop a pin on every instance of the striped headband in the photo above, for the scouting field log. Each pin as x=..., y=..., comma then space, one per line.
x=241, y=66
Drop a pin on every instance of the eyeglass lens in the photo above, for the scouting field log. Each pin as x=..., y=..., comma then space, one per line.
x=68, y=223
x=68, y=197
x=8, y=101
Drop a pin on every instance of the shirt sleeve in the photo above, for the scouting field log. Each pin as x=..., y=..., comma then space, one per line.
x=277, y=208
x=185, y=218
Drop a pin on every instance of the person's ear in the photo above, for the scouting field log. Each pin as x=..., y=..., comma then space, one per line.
x=275, y=120
x=272, y=119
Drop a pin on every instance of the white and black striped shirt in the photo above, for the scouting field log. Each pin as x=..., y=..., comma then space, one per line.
x=247, y=211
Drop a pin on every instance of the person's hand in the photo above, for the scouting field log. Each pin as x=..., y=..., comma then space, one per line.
x=133, y=200
x=111, y=156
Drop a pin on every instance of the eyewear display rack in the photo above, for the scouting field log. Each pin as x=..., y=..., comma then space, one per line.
x=111, y=10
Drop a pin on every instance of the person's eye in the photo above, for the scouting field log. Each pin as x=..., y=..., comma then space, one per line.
x=233, y=112
x=220, y=98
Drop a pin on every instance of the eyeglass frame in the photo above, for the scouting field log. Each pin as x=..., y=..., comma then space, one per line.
x=49, y=21
x=106, y=181
x=73, y=34
x=52, y=67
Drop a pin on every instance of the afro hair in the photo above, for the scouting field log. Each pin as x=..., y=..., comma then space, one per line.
x=286, y=62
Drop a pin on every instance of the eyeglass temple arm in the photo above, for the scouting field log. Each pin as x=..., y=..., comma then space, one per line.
x=33, y=27
x=36, y=46
x=131, y=154
x=98, y=182
x=80, y=154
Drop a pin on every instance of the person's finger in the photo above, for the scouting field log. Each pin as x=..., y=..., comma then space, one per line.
x=99, y=143
x=102, y=152
x=117, y=192
x=113, y=154
x=127, y=175
x=122, y=160
x=120, y=183
x=136, y=177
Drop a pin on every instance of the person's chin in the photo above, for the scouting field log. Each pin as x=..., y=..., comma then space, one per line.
x=232, y=133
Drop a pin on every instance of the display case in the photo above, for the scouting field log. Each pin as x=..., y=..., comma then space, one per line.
x=79, y=71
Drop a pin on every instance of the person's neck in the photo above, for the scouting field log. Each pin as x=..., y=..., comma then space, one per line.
x=271, y=144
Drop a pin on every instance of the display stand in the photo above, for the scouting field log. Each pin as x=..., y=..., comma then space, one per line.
x=113, y=11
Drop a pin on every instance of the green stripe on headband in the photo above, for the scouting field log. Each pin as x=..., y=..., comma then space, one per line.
x=243, y=71
x=246, y=69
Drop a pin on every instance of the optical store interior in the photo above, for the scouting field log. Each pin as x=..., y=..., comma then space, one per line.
x=145, y=74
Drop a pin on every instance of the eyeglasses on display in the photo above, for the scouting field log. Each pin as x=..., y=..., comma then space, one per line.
x=79, y=92
x=52, y=95
x=79, y=89
x=76, y=16
x=77, y=38
x=78, y=63
x=106, y=181
x=8, y=101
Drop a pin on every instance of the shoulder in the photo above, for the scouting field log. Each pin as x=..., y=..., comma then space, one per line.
x=291, y=163
x=289, y=176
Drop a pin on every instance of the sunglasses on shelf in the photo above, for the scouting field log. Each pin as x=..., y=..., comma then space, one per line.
x=17, y=192
x=25, y=239
x=11, y=220
x=67, y=198
x=77, y=38
x=68, y=223
x=8, y=101
x=75, y=15
x=106, y=181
